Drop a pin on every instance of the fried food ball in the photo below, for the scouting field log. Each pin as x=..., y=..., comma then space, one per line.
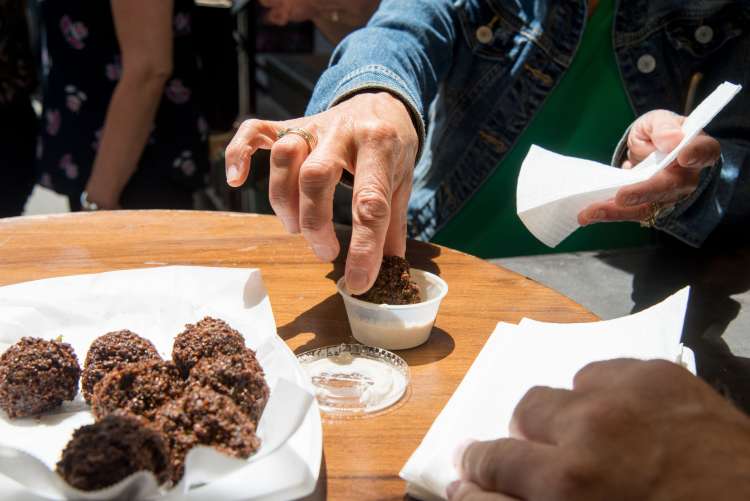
x=36, y=375
x=101, y=454
x=138, y=388
x=204, y=417
x=111, y=351
x=393, y=285
x=240, y=377
x=208, y=338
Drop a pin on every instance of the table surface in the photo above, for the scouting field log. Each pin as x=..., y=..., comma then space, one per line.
x=362, y=457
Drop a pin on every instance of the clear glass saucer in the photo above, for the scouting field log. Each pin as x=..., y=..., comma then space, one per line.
x=354, y=379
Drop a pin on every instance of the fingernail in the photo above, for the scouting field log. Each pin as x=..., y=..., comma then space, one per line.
x=458, y=452
x=356, y=280
x=290, y=224
x=233, y=174
x=598, y=215
x=691, y=161
x=634, y=200
x=325, y=252
x=452, y=488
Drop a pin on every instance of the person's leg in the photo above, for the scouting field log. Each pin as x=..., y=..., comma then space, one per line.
x=18, y=134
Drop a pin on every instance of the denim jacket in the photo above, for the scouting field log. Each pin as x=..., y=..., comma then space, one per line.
x=472, y=92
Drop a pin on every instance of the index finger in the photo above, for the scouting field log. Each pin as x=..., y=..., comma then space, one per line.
x=252, y=135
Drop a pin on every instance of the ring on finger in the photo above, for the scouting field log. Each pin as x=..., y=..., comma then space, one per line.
x=655, y=210
x=299, y=131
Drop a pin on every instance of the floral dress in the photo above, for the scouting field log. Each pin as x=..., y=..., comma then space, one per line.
x=81, y=67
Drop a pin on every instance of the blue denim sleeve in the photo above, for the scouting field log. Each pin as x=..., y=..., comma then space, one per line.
x=719, y=194
x=405, y=49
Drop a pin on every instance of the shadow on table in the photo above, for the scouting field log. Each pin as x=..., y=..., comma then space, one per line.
x=714, y=276
x=322, y=320
x=439, y=346
x=329, y=316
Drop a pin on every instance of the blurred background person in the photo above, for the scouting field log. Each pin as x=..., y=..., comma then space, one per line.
x=121, y=126
x=18, y=123
x=334, y=18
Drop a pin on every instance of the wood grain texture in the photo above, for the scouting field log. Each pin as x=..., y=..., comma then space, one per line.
x=362, y=457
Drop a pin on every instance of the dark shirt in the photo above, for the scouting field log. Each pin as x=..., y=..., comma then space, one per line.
x=17, y=75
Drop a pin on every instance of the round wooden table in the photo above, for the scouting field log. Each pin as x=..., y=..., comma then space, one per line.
x=362, y=457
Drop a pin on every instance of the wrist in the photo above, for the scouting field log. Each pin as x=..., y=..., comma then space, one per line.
x=93, y=200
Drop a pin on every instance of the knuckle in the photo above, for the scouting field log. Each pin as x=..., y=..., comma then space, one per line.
x=315, y=176
x=571, y=479
x=487, y=465
x=250, y=124
x=278, y=198
x=597, y=416
x=528, y=403
x=380, y=132
x=283, y=152
x=311, y=222
x=371, y=207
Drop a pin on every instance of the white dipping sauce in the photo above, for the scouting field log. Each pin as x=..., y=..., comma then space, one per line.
x=391, y=336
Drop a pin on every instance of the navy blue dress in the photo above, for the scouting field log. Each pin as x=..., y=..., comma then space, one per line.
x=82, y=65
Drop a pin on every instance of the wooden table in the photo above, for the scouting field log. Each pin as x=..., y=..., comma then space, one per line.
x=362, y=457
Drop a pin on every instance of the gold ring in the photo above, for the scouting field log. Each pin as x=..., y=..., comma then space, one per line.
x=653, y=215
x=299, y=131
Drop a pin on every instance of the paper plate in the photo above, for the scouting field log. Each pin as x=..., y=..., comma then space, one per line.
x=156, y=303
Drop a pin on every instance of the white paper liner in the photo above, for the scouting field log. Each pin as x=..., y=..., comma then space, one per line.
x=156, y=303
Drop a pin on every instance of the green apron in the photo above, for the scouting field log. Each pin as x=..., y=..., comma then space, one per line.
x=584, y=116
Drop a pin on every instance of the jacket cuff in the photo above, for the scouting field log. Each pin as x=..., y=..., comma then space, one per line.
x=682, y=226
x=379, y=78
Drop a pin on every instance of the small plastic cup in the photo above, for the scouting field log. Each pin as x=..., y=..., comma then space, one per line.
x=396, y=327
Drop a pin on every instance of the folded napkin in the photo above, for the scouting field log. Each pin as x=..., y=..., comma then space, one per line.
x=518, y=357
x=552, y=189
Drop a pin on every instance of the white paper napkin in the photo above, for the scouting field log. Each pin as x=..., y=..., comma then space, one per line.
x=518, y=357
x=552, y=189
x=156, y=303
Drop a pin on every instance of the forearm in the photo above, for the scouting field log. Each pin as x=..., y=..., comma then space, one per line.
x=406, y=48
x=127, y=126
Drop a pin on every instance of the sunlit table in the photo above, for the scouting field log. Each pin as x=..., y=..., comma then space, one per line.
x=362, y=457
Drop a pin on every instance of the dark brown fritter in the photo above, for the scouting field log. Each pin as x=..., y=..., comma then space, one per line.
x=139, y=388
x=205, y=417
x=111, y=351
x=36, y=375
x=240, y=377
x=208, y=338
x=393, y=285
x=103, y=453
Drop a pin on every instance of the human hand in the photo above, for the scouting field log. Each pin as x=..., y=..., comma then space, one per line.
x=629, y=430
x=656, y=130
x=370, y=135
